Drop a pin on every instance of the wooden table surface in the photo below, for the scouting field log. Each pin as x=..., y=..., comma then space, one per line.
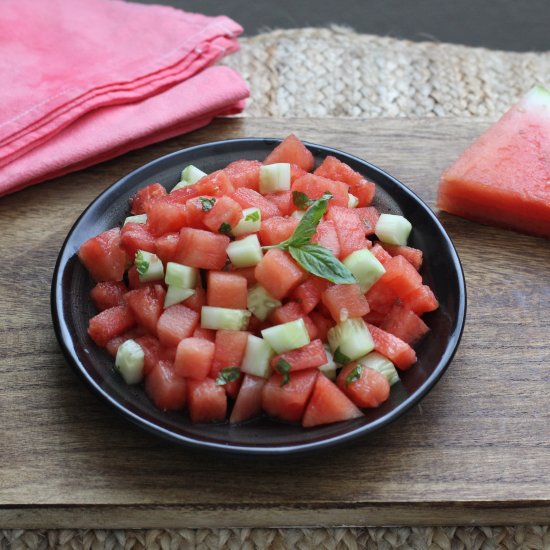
x=476, y=451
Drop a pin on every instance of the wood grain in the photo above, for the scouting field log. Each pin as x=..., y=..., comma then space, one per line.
x=477, y=450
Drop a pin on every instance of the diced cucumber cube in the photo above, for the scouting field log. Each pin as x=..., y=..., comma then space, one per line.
x=275, y=177
x=353, y=201
x=257, y=357
x=181, y=276
x=251, y=222
x=129, y=362
x=351, y=339
x=189, y=175
x=393, y=229
x=149, y=266
x=139, y=218
x=175, y=295
x=365, y=267
x=245, y=252
x=223, y=318
x=288, y=336
x=260, y=302
x=329, y=368
x=383, y=365
x=298, y=214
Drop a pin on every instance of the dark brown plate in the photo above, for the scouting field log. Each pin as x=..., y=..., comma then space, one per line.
x=72, y=308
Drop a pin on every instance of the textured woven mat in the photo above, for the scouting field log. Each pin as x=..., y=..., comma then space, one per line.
x=338, y=73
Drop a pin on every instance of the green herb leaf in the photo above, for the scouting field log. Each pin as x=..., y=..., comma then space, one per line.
x=308, y=224
x=354, y=375
x=207, y=203
x=225, y=228
x=340, y=358
x=142, y=265
x=228, y=374
x=321, y=262
x=253, y=216
x=284, y=367
x=301, y=200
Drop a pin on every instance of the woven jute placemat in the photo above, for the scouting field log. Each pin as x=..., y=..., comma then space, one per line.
x=335, y=72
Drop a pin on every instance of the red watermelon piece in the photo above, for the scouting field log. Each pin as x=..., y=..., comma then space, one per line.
x=293, y=151
x=503, y=177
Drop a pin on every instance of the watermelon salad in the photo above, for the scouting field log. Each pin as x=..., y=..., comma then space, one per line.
x=266, y=287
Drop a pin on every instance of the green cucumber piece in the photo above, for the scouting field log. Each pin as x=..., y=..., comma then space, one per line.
x=245, y=252
x=223, y=318
x=329, y=368
x=260, y=302
x=257, y=357
x=351, y=339
x=288, y=336
x=181, y=275
x=251, y=222
x=175, y=295
x=149, y=266
x=129, y=362
x=353, y=201
x=365, y=267
x=393, y=229
x=139, y=218
x=383, y=365
x=275, y=177
x=189, y=176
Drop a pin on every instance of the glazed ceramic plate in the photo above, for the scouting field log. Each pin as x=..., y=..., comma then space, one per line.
x=72, y=308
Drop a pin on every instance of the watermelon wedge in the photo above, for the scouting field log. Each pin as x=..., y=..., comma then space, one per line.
x=503, y=178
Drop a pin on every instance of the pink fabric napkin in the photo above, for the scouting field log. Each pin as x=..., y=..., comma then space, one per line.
x=92, y=79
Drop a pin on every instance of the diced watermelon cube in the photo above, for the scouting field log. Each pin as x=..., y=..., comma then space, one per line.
x=207, y=401
x=293, y=151
x=381, y=298
x=225, y=212
x=276, y=230
x=194, y=358
x=226, y=289
x=167, y=390
x=369, y=216
x=110, y=323
x=108, y=294
x=278, y=273
x=205, y=334
x=312, y=355
x=392, y=347
x=322, y=323
x=183, y=195
x=288, y=402
x=370, y=390
x=152, y=351
x=164, y=216
x=283, y=200
x=248, y=198
x=147, y=304
x=166, y=246
x=229, y=352
x=244, y=173
x=308, y=294
x=202, y=249
x=381, y=254
x=412, y=255
x=326, y=236
x=421, y=300
x=401, y=276
x=136, y=236
x=114, y=343
x=103, y=256
x=176, y=323
x=249, y=399
x=350, y=230
x=316, y=186
x=195, y=211
x=146, y=195
x=216, y=184
x=405, y=324
x=345, y=302
x=197, y=300
x=328, y=405
x=246, y=272
x=291, y=311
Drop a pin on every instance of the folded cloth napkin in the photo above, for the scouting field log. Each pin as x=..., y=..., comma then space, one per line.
x=91, y=79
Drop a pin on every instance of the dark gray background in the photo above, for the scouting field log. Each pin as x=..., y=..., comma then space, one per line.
x=516, y=25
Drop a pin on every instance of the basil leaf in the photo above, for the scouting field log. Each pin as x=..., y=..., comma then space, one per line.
x=253, y=216
x=354, y=375
x=321, y=262
x=300, y=200
x=228, y=374
x=340, y=358
x=283, y=367
x=142, y=265
x=308, y=224
x=225, y=228
x=207, y=204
